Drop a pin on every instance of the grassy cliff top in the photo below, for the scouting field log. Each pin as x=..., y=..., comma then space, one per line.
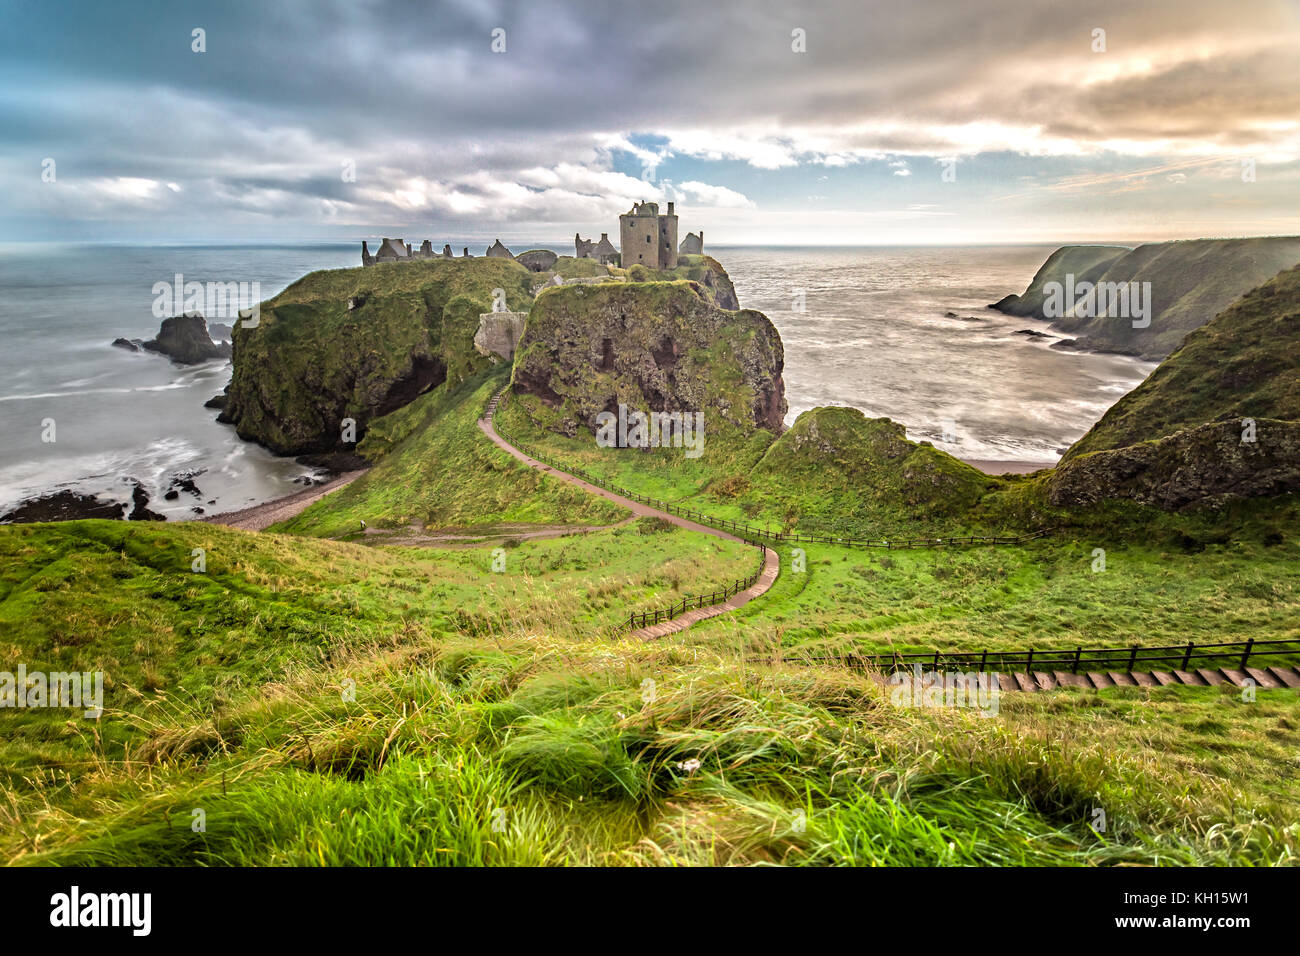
x=434, y=469
x=1243, y=364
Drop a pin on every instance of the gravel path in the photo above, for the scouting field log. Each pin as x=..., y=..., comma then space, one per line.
x=771, y=563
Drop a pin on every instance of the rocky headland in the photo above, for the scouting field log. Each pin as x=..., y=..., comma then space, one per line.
x=1190, y=281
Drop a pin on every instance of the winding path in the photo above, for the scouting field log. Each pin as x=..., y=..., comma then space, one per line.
x=766, y=577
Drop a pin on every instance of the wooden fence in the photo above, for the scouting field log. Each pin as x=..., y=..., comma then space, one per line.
x=647, y=618
x=1236, y=654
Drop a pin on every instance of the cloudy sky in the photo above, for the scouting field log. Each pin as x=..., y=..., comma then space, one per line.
x=767, y=122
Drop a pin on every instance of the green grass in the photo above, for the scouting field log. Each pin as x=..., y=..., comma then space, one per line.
x=1043, y=595
x=527, y=751
x=326, y=698
x=435, y=469
x=1243, y=364
x=120, y=598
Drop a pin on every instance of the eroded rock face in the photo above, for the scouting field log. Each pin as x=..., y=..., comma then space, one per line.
x=499, y=332
x=661, y=346
x=185, y=339
x=1204, y=466
x=357, y=344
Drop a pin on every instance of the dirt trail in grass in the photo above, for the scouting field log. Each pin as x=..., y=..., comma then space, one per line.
x=260, y=517
x=416, y=537
x=771, y=563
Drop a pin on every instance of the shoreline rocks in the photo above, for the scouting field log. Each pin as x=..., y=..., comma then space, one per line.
x=63, y=506
x=68, y=505
x=185, y=340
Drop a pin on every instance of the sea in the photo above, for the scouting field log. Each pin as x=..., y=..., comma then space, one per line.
x=903, y=333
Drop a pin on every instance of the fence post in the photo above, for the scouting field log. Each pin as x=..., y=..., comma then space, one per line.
x=984, y=659
x=1029, y=662
x=1245, y=655
x=1078, y=653
x=1187, y=656
x=1132, y=657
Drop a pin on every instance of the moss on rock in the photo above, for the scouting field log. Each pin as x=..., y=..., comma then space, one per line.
x=360, y=343
x=858, y=464
x=652, y=346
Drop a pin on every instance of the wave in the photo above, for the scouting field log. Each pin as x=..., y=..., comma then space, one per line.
x=96, y=391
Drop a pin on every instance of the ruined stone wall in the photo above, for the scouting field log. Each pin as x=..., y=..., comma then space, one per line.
x=668, y=240
x=499, y=332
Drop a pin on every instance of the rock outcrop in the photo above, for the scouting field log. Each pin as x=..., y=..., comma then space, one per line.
x=705, y=270
x=1203, y=466
x=499, y=332
x=652, y=346
x=1190, y=282
x=184, y=339
x=63, y=505
x=312, y=362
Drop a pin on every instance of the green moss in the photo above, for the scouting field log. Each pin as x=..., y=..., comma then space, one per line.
x=313, y=361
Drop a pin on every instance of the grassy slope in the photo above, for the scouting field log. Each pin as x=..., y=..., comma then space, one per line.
x=567, y=749
x=122, y=598
x=1191, y=282
x=486, y=699
x=477, y=693
x=833, y=471
x=1080, y=261
x=1245, y=363
x=415, y=482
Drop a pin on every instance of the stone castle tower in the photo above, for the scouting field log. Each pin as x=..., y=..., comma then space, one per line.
x=648, y=238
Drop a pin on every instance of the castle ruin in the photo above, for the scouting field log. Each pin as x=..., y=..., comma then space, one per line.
x=603, y=251
x=647, y=238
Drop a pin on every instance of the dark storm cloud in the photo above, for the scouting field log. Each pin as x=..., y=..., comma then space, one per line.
x=411, y=94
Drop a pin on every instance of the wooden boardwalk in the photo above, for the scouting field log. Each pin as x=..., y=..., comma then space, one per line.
x=771, y=562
